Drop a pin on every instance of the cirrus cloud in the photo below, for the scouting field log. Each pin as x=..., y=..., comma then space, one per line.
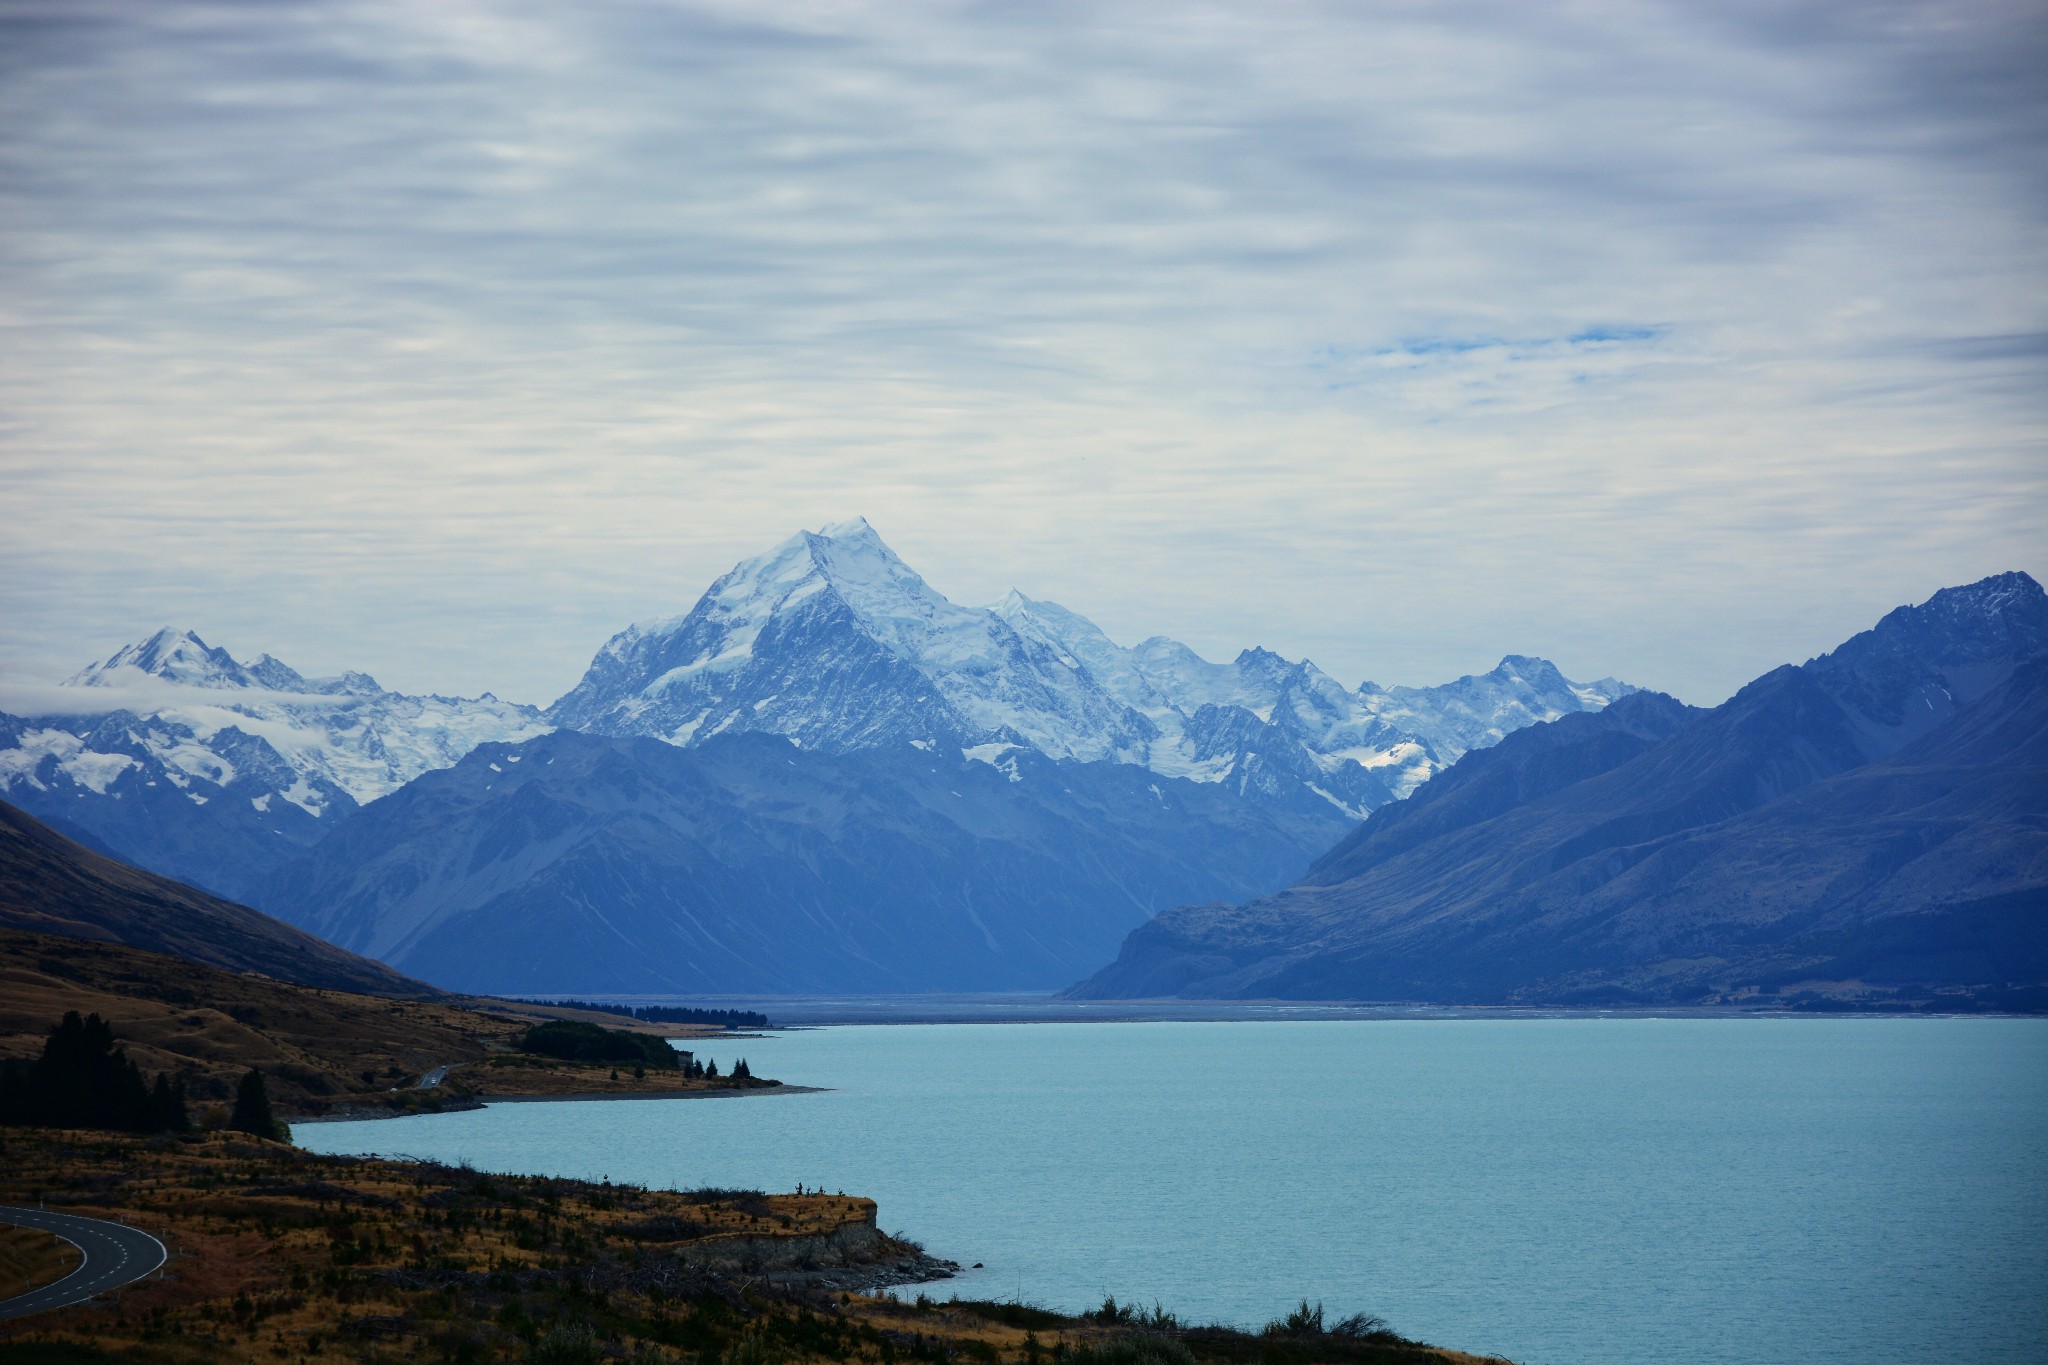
x=1666, y=340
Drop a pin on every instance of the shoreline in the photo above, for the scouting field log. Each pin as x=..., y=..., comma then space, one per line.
x=737, y=1093
x=367, y=1114
x=799, y=1013
x=398, y=1258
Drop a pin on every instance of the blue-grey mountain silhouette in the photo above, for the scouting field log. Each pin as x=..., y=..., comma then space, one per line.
x=1871, y=825
x=582, y=863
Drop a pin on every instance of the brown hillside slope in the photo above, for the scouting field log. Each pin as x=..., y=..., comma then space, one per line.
x=313, y=1045
x=50, y=885
x=211, y=1025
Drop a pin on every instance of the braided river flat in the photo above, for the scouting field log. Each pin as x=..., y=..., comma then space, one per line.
x=1562, y=1191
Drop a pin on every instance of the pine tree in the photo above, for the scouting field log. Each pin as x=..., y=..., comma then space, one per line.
x=82, y=1080
x=166, y=1110
x=252, y=1107
x=740, y=1072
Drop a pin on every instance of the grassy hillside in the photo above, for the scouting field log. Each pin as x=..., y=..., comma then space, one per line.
x=31, y=1258
x=313, y=1046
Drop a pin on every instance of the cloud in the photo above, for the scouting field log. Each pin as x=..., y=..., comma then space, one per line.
x=1451, y=376
x=146, y=695
x=441, y=340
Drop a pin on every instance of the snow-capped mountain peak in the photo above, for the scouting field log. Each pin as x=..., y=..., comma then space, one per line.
x=1479, y=710
x=831, y=639
x=171, y=654
x=828, y=639
x=173, y=719
x=1075, y=639
x=904, y=613
x=852, y=529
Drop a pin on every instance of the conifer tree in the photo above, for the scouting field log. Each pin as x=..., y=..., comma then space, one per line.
x=82, y=1080
x=252, y=1107
x=166, y=1110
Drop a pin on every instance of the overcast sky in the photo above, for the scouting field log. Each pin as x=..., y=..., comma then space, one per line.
x=441, y=340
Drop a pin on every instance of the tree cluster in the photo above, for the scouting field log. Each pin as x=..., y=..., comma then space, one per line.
x=708, y=1070
x=252, y=1110
x=580, y=1042
x=82, y=1080
x=669, y=1014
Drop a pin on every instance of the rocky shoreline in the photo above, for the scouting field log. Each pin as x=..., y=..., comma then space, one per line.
x=918, y=1268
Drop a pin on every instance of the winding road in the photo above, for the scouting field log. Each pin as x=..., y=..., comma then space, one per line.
x=114, y=1255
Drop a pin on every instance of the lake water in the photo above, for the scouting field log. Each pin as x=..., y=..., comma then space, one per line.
x=1574, y=1191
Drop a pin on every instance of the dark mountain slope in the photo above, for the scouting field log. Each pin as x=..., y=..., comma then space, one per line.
x=1814, y=802
x=1802, y=889
x=1526, y=765
x=584, y=863
x=50, y=885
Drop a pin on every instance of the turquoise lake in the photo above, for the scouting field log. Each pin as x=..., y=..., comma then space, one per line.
x=1569, y=1191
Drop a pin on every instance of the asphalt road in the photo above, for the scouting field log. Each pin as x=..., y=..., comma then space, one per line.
x=114, y=1256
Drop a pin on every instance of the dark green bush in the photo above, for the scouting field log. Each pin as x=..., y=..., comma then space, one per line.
x=1306, y=1321
x=1302, y=1322
x=1141, y=1349
x=566, y=1344
x=1024, y=1315
x=578, y=1042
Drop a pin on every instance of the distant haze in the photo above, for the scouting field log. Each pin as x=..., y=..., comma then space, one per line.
x=1665, y=341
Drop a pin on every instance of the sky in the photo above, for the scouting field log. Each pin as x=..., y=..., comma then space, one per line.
x=1667, y=341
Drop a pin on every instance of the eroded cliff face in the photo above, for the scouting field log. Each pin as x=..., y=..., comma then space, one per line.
x=855, y=1255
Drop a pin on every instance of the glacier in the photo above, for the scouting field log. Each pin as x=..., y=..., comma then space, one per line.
x=832, y=641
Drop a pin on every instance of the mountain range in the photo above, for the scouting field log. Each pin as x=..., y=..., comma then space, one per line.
x=826, y=776
x=178, y=758
x=182, y=759
x=1872, y=823
x=831, y=640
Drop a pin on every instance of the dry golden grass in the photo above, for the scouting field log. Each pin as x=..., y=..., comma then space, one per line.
x=273, y=1244
x=31, y=1258
x=313, y=1046
x=210, y=1025
x=281, y=1255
